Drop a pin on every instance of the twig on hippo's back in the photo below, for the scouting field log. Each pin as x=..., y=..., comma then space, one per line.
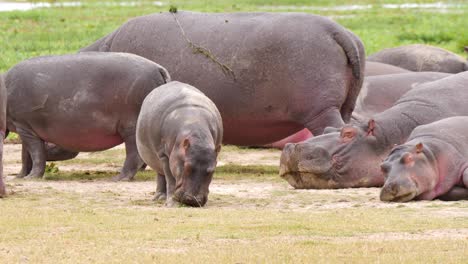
x=198, y=49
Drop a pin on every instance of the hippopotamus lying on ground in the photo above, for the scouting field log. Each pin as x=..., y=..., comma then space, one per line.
x=419, y=57
x=267, y=80
x=378, y=93
x=432, y=164
x=179, y=135
x=3, y=103
x=81, y=102
x=377, y=68
x=350, y=156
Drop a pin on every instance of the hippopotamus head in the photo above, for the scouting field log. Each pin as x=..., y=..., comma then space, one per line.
x=193, y=163
x=340, y=158
x=409, y=171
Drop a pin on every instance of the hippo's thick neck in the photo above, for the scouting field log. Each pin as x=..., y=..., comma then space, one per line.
x=394, y=125
x=448, y=162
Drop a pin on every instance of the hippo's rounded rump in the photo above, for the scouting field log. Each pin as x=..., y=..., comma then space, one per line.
x=289, y=71
x=82, y=102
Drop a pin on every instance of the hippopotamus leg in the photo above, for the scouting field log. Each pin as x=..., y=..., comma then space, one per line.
x=2, y=184
x=26, y=163
x=133, y=161
x=160, y=188
x=36, y=149
x=170, y=182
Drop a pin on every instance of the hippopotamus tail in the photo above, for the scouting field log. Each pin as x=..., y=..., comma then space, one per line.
x=103, y=44
x=165, y=74
x=354, y=50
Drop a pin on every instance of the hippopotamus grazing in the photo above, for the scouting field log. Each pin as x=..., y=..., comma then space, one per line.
x=377, y=68
x=267, y=80
x=419, y=57
x=3, y=102
x=378, y=93
x=350, y=156
x=179, y=135
x=81, y=102
x=432, y=164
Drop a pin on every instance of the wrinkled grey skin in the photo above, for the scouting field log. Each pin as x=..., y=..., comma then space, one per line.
x=378, y=93
x=80, y=102
x=432, y=164
x=285, y=79
x=350, y=156
x=179, y=135
x=377, y=68
x=419, y=57
x=3, y=103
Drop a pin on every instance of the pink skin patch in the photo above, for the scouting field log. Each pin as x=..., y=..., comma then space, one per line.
x=300, y=136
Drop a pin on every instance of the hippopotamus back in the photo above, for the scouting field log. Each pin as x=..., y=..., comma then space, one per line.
x=267, y=80
x=419, y=57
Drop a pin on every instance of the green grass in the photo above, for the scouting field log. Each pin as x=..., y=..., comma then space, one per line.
x=67, y=29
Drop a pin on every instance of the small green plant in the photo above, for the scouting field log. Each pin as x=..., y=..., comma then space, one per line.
x=52, y=168
x=173, y=9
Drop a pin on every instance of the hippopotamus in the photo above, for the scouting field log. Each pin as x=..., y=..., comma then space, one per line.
x=378, y=93
x=267, y=80
x=79, y=102
x=3, y=103
x=179, y=135
x=350, y=156
x=433, y=163
x=378, y=68
x=418, y=57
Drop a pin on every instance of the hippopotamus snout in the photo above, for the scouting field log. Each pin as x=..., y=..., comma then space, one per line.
x=189, y=199
x=401, y=190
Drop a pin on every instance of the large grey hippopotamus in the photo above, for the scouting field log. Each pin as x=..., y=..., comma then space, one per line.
x=350, y=156
x=3, y=103
x=433, y=163
x=419, y=57
x=267, y=80
x=378, y=93
x=179, y=135
x=377, y=68
x=80, y=102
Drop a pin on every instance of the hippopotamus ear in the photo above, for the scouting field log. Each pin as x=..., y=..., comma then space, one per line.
x=370, y=127
x=348, y=133
x=419, y=147
x=407, y=159
x=466, y=49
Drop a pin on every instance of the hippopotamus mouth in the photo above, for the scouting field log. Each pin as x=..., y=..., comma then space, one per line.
x=308, y=180
x=399, y=194
x=190, y=200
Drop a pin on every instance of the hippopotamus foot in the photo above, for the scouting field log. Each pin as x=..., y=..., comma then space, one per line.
x=331, y=117
x=160, y=188
x=133, y=161
x=56, y=153
x=2, y=191
x=33, y=154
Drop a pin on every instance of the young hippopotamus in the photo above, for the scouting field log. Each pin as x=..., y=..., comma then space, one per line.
x=432, y=164
x=3, y=103
x=419, y=57
x=80, y=102
x=179, y=135
x=350, y=156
